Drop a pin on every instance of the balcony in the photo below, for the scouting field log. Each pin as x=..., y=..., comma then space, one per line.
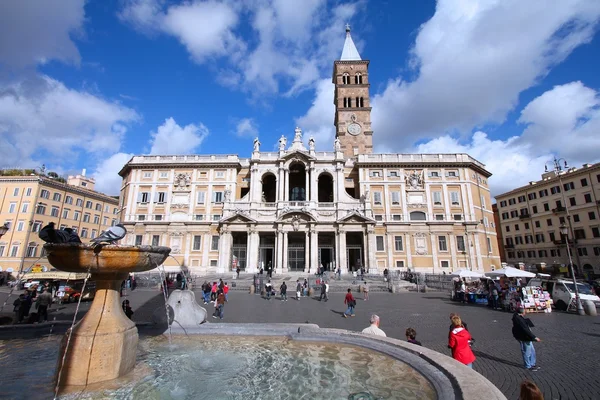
x=559, y=209
x=525, y=216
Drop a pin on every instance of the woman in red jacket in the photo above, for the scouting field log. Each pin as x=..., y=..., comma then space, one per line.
x=459, y=342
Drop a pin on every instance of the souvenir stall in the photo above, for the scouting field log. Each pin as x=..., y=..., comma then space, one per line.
x=474, y=291
x=513, y=293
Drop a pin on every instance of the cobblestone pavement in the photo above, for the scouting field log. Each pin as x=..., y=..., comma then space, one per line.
x=567, y=354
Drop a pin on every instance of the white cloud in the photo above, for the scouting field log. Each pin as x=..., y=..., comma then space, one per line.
x=33, y=32
x=107, y=176
x=246, y=127
x=564, y=121
x=42, y=114
x=318, y=121
x=473, y=58
x=171, y=138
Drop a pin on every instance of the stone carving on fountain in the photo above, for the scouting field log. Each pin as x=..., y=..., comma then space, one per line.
x=103, y=344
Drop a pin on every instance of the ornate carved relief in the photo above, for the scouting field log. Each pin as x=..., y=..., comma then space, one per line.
x=420, y=243
x=296, y=222
x=180, y=206
x=182, y=181
x=414, y=179
x=176, y=233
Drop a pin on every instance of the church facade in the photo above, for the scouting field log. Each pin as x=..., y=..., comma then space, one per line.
x=297, y=209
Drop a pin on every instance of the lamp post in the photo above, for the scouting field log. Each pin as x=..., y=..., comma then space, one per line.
x=564, y=232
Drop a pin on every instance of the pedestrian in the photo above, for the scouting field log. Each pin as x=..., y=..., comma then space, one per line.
x=529, y=391
x=133, y=283
x=221, y=284
x=127, y=308
x=459, y=342
x=17, y=307
x=226, y=291
x=385, y=275
x=43, y=301
x=495, y=297
x=323, y=294
x=268, y=289
x=298, y=289
x=283, y=291
x=351, y=303
x=339, y=273
x=365, y=291
x=464, y=324
x=179, y=280
x=326, y=290
x=411, y=336
x=237, y=271
x=373, y=329
x=305, y=287
x=463, y=289
x=213, y=291
x=206, y=289
x=522, y=332
x=219, y=305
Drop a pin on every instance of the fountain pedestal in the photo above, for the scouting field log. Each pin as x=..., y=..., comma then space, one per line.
x=103, y=345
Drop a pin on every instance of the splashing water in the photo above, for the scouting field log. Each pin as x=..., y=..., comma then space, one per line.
x=164, y=290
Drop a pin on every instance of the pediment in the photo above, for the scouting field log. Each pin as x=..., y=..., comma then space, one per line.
x=238, y=218
x=296, y=215
x=301, y=155
x=355, y=217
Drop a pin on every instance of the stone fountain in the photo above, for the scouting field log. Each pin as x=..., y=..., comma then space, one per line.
x=103, y=344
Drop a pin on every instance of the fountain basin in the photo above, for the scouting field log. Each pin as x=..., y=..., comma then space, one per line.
x=107, y=261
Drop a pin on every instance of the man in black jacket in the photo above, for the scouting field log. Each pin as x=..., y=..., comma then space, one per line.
x=522, y=332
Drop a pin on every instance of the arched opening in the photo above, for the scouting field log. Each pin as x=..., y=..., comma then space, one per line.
x=358, y=78
x=418, y=216
x=346, y=79
x=325, y=188
x=297, y=182
x=269, y=188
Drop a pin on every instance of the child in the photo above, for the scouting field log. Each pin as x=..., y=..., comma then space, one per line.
x=411, y=335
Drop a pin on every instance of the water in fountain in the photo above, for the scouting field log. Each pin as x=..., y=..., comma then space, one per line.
x=69, y=334
x=164, y=290
x=18, y=282
x=180, y=270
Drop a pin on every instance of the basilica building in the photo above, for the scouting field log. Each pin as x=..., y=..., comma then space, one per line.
x=297, y=209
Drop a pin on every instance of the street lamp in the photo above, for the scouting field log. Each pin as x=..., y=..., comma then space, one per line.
x=3, y=230
x=564, y=232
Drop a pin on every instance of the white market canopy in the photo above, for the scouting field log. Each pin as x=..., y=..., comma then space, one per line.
x=465, y=273
x=511, y=272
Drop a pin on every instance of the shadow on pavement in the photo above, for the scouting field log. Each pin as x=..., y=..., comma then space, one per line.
x=337, y=312
x=500, y=360
x=592, y=334
x=153, y=315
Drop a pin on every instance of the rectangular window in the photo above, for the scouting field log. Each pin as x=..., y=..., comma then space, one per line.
x=398, y=245
x=197, y=243
x=517, y=227
x=395, y=198
x=40, y=209
x=569, y=186
x=147, y=174
x=31, y=250
x=552, y=236
x=44, y=194
x=539, y=238
x=199, y=217
x=65, y=213
x=582, y=251
x=141, y=217
x=37, y=225
x=522, y=199
x=534, y=209
x=105, y=221
x=437, y=198
x=158, y=217
x=54, y=211
x=434, y=174
x=454, y=198
x=561, y=220
x=161, y=197
x=88, y=204
x=439, y=217
x=575, y=217
x=213, y=263
x=143, y=197
x=445, y=264
x=546, y=207
x=138, y=240
x=393, y=174
x=399, y=264
x=537, y=224
x=375, y=174
x=56, y=197
x=591, y=215
x=200, y=197
x=220, y=174
x=20, y=226
x=94, y=234
x=543, y=192
x=457, y=217
x=79, y=203
x=584, y=182
x=595, y=232
x=555, y=189
x=572, y=201
x=84, y=232
x=396, y=217
x=12, y=208
x=107, y=208
x=451, y=174
x=379, y=243
x=378, y=217
x=25, y=207
x=507, y=228
x=504, y=215
x=69, y=200
x=98, y=207
x=442, y=243
x=86, y=217
x=164, y=175
x=579, y=234
x=518, y=240
x=503, y=203
x=2, y=247
x=28, y=192
x=216, y=217
x=96, y=219
x=217, y=197
x=14, y=250
x=76, y=215
x=489, y=245
x=549, y=222
x=460, y=243
x=532, y=196
x=16, y=192
x=155, y=240
x=376, y=197
x=587, y=197
x=214, y=245
x=512, y=202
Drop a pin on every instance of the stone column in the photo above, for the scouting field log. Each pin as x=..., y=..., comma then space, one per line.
x=313, y=185
x=280, y=185
x=306, y=252
x=285, y=253
x=314, y=249
x=286, y=187
x=252, y=250
x=371, y=240
x=224, y=250
x=277, y=258
x=343, y=262
x=307, y=184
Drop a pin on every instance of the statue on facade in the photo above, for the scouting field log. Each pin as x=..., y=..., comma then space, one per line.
x=414, y=179
x=282, y=143
x=365, y=197
x=297, y=135
x=337, y=145
x=256, y=145
x=227, y=195
x=311, y=144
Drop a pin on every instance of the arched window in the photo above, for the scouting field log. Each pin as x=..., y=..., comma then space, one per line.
x=417, y=216
x=346, y=79
x=357, y=101
x=358, y=78
x=362, y=102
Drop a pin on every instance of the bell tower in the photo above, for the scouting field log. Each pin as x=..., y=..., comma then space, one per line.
x=352, y=105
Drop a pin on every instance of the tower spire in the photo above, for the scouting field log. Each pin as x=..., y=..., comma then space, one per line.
x=349, y=52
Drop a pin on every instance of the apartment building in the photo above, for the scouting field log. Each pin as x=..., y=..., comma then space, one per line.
x=531, y=217
x=27, y=203
x=297, y=209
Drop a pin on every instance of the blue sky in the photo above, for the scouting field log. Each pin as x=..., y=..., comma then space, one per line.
x=89, y=84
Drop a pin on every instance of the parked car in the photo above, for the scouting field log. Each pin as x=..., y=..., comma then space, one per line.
x=71, y=291
x=596, y=286
x=562, y=291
